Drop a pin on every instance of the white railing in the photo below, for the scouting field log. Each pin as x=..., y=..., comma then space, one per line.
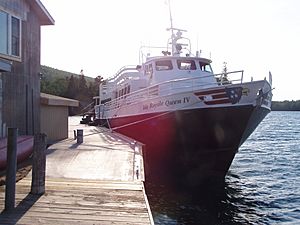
x=119, y=75
x=173, y=87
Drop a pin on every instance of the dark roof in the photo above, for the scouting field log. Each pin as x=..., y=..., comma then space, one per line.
x=41, y=11
x=47, y=99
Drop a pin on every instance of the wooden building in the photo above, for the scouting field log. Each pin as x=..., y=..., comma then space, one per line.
x=54, y=116
x=20, y=38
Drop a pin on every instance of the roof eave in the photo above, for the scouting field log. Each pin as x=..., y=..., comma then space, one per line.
x=42, y=12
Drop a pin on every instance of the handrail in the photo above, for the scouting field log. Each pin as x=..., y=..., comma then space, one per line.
x=120, y=71
x=86, y=107
x=236, y=71
x=168, y=87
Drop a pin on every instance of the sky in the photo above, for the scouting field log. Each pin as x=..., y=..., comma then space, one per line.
x=101, y=36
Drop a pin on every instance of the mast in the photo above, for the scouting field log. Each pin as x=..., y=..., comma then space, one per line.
x=171, y=28
x=176, y=48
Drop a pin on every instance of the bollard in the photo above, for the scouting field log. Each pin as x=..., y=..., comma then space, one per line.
x=75, y=136
x=39, y=164
x=79, y=136
x=11, y=169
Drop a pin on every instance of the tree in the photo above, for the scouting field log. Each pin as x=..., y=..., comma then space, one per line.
x=72, y=87
x=55, y=87
x=82, y=84
x=94, y=86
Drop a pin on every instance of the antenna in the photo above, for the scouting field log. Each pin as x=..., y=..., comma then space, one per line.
x=171, y=20
x=176, y=48
x=172, y=30
x=197, y=41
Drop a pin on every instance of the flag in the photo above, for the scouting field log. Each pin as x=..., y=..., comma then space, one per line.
x=221, y=95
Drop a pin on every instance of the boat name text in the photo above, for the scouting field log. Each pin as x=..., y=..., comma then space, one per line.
x=168, y=102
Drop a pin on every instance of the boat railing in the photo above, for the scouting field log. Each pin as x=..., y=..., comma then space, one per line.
x=120, y=73
x=175, y=86
x=230, y=77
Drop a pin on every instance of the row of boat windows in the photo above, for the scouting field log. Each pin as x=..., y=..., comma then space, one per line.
x=181, y=65
x=123, y=91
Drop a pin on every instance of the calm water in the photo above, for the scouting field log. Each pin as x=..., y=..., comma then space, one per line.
x=262, y=186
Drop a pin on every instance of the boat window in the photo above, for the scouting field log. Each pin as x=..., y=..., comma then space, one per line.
x=163, y=65
x=148, y=69
x=205, y=67
x=186, y=64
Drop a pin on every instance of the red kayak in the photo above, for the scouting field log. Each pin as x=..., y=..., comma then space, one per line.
x=24, y=149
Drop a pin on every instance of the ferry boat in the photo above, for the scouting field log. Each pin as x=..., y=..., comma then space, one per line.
x=191, y=120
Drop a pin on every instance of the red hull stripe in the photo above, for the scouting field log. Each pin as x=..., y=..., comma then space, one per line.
x=218, y=96
x=219, y=101
x=210, y=92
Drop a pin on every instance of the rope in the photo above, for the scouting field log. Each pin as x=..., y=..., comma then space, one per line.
x=132, y=123
x=150, y=118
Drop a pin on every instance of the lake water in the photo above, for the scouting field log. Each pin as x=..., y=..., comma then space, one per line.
x=261, y=187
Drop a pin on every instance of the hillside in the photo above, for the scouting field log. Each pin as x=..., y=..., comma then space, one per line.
x=70, y=85
x=50, y=73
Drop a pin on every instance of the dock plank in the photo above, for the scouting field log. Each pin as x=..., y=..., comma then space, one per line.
x=90, y=183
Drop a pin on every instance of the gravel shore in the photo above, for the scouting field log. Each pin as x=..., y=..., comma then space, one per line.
x=23, y=169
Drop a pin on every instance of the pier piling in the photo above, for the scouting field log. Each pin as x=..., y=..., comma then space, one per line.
x=11, y=169
x=39, y=164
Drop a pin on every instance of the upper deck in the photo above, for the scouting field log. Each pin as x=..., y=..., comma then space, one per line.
x=166, y=68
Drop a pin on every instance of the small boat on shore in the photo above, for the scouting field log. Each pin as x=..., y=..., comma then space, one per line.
x=24, y=150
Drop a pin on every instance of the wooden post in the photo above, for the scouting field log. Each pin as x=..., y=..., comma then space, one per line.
x=11, y=169
x=79, y=136
x=75, y=135
x=39, y=164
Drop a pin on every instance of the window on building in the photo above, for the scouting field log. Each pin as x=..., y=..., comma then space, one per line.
x=10, y=35
x=3, y=33
x=15, y=36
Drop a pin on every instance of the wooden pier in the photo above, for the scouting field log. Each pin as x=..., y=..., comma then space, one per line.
x=99, y=181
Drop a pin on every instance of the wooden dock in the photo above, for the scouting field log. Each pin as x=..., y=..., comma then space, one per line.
x=97, y=182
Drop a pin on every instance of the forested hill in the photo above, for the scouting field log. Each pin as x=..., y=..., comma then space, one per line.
x=52, y=73
x=286, y=105
x=69, y=85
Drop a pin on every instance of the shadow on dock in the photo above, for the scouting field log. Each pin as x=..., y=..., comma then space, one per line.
x=12, y=217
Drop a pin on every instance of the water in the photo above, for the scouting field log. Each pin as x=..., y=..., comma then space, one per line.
x=262, y=186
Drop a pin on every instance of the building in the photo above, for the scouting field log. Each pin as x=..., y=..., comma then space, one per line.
x=20, y=38
x=54, y=116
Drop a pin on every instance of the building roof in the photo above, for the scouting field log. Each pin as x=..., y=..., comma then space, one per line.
x=53, y=100
x=42, y=12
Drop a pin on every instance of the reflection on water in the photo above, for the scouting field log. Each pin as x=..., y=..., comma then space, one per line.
x=217, y=204
x=262, y=186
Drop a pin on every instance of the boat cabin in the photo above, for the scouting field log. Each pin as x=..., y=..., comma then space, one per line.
x=155, y=71
x=163, y=69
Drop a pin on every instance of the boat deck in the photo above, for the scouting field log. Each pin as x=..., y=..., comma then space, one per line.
x=97, y=182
